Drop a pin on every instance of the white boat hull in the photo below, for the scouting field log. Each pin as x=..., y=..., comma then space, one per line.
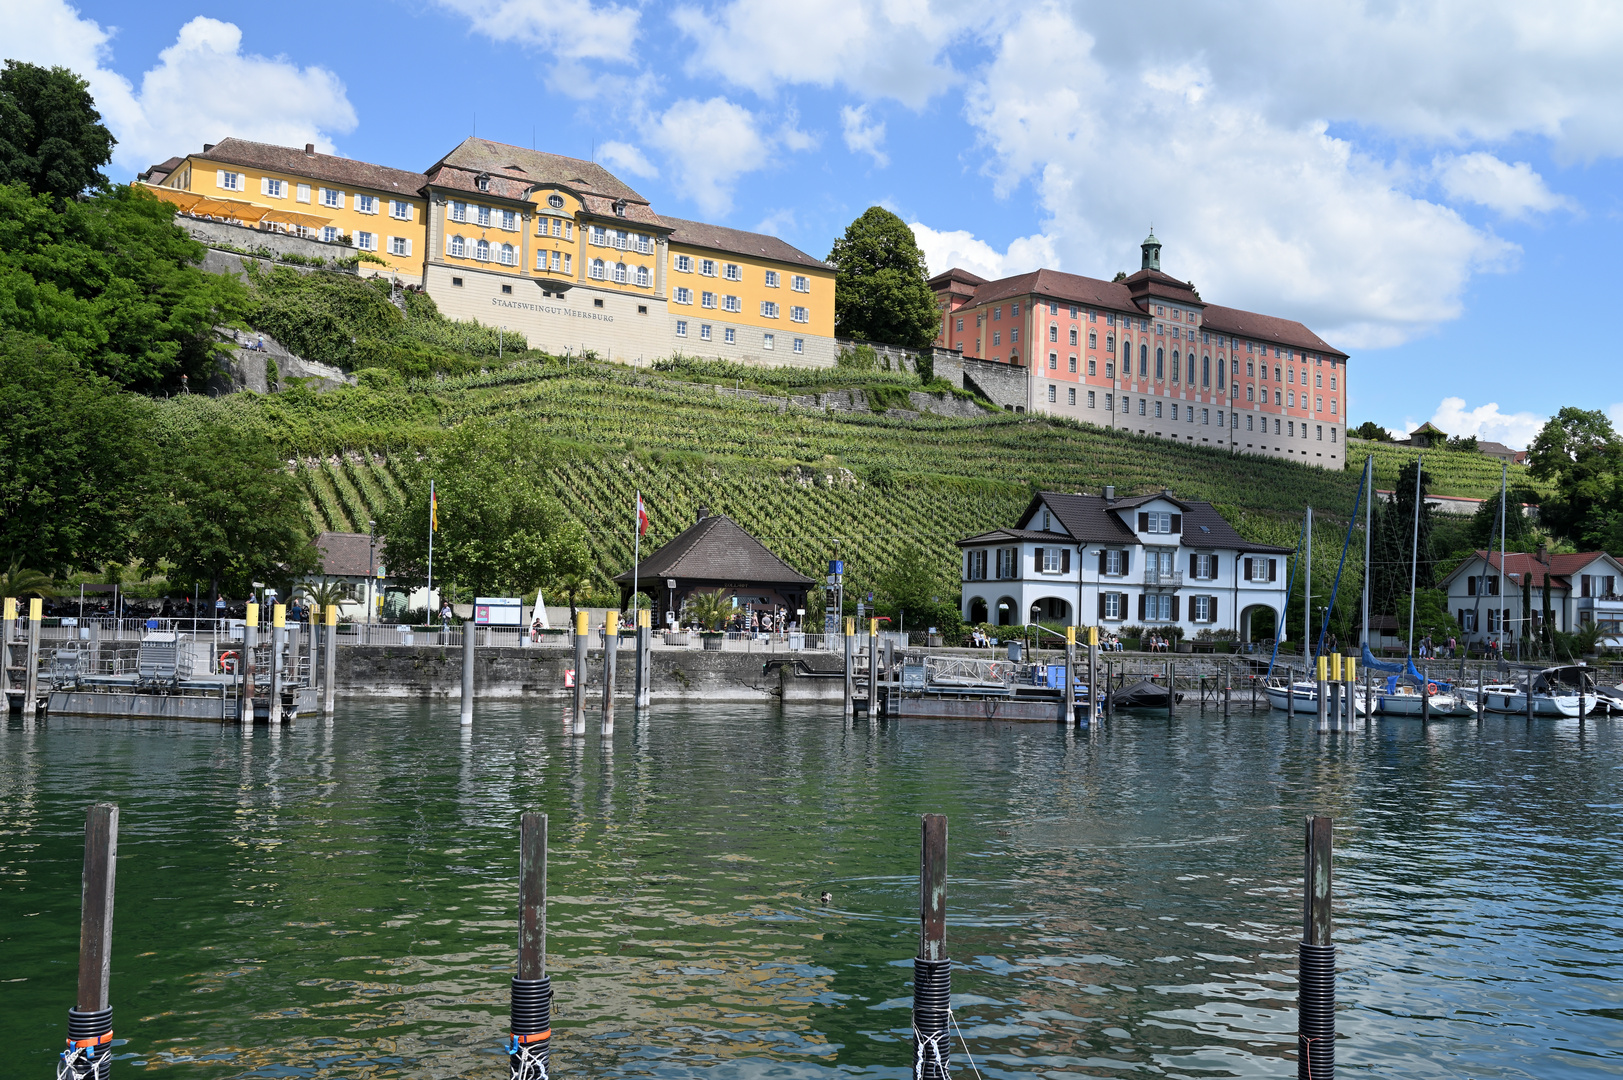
x=1410, y=705
x=1514, y=703
x=1306, y=699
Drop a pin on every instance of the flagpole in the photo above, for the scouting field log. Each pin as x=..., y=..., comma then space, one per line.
x=429, y=602
x=636, y=556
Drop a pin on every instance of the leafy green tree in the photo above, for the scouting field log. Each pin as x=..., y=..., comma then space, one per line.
x=72, y=452
x=1369, y=429
x=18, y=582
x=1431, y=616
x=222, y=507
x=113, y=281
x=52, y=139
x=500, y=530
x=709, y=609
x=881, y=290
x=1519, y=532
x=1579, y=450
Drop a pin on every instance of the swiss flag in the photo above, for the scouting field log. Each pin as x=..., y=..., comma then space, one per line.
x=642, y=516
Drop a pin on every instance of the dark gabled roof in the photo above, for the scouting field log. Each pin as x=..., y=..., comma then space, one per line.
x=1090, y=519
x=337, y=170
x=535, y=167
x=157, y=174
x=1267, y=328
x=1559, y=570
x=738, y=242
x=346, y=554
x=717, y=549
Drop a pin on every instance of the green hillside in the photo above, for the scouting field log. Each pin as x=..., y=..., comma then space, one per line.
x=812, y=484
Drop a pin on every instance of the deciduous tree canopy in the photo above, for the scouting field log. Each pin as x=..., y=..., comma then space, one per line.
x=52, y=140
x=881, y=290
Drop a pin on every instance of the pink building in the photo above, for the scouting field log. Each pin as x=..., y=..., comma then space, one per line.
x=1147, y=354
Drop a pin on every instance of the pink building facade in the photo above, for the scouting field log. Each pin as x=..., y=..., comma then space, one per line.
x=1148, y=355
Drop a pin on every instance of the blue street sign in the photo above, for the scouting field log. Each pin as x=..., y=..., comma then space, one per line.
x=837, y=566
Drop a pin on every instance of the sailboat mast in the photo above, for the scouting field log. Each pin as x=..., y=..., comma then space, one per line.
x=1504, y=472
x=1414, y=547
x=1369, y=518
x=1307, y=595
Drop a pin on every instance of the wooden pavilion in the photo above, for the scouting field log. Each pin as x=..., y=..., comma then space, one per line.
x=716, y=553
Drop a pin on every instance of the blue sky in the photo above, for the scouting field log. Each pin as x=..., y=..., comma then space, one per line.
x=1422, y=184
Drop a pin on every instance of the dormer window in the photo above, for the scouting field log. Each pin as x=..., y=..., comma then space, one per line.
x=482, y=182
x=1159, y=522
x=1048, y=524
x=620, y=208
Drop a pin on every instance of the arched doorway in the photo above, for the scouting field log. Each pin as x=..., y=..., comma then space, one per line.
x=1257, y=623
x=977, y=610
x=1008, y=611
x=1050, y=609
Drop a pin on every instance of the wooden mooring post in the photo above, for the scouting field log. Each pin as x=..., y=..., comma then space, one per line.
x=582, y=626
x=1316, y=960
x=36, y=614
x=529, y=1046
x=329, y=661
x=932, y=970
x=1172, y=696
x=90, y=1021
x=611, y=650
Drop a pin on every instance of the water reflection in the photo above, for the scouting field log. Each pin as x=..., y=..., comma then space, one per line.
x=338, y=899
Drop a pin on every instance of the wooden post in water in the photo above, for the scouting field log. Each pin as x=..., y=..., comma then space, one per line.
x=469, y=641
x=1322, y=703
x=582, y=625
x=329, y=661
x=611, y=649
x=1349, y=671
x=250, y=645
x=1067, y=694
x=1425, y=696
x=90, y=1021
x=529, y=1047
x=873, y=669
x=1172, y=698
x=1290, y=693
x=1316, y=961
x=1529, y=696
x=932, y=971
x=1110, y=687
x=278, y=644
x=644, y=633
x=36, y=612
x=850, y=689
x=8, y=630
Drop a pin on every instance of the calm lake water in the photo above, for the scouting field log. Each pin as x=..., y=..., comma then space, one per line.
x=338, y=899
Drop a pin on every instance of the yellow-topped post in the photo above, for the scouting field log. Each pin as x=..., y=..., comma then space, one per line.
x=1324, y=692
x=611, y=650
x=1349, y=680
x=583, y=623
x=850, y=662
x=36, y=612
x=278, y=661
x=8, y=630
x=329, y=661
x=1067, y=696
x=250, y=645
x=873, y=669
x=645, y=637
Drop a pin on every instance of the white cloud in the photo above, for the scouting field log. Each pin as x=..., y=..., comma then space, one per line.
x=569, y=29
x=626, y=158
x=288, y=105
x=959, y=248
x=1486, y=422
x=878, y=48
x=1282, y=218
x=1510, y=190
x=864, y=134
x=711, y=144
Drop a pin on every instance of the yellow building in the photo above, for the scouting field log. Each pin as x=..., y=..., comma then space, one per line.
x=370, y=207
x=556, y=248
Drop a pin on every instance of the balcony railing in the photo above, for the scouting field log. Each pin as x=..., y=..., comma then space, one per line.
x=1166, y=579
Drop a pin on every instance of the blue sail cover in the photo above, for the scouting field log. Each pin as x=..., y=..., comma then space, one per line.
x=1405, y=668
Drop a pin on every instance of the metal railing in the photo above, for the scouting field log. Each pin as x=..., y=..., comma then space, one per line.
x=1170, y=579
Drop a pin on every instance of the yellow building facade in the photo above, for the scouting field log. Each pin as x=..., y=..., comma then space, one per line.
x=556, y=248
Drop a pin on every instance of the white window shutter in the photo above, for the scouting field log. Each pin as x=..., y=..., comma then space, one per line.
x=264, y=185
x=408, y=245
x=219, y=178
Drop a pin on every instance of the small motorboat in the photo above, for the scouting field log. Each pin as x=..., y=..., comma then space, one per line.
x=1143, y=694
x=1510, y=699
x=1406, y=699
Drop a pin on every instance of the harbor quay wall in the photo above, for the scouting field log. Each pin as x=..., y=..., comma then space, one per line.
x=538, y=672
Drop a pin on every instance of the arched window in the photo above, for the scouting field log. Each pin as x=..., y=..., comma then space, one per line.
x=508, y=257
x=1205, y=371
x=1174, y=365
x=1161, y=363
x=598, y=270
x=620, y=273
x=1110, y=344
x=459, y=247
x=1144, y=360
x=1191, y=369
x=482, y=251
x=1220, y=381
x=642, y=276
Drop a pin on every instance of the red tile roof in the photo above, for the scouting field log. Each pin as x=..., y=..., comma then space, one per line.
x=756, y=245
x=1560, y=569
x=535, y=167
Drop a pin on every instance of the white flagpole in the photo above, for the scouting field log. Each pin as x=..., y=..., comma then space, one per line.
x=429, y=602
x=636, y=556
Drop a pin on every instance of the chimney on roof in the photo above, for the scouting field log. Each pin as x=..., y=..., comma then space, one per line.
x=309, y=149
x=207, y=147
x=1544, y=554
x=1110, y=493
x=704, y=512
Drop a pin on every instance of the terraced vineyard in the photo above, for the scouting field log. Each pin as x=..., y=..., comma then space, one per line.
x=811, y=484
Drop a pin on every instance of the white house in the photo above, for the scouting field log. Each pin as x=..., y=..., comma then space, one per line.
x=354, y=562
x=1488, y=605
x=1148, y=560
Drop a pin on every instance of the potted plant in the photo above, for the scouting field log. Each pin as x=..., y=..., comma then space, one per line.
x=710, y=610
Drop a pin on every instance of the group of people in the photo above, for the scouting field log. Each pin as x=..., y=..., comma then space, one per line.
x=1428, y=649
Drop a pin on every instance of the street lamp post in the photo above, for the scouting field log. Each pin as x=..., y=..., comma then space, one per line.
x=371, y=568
